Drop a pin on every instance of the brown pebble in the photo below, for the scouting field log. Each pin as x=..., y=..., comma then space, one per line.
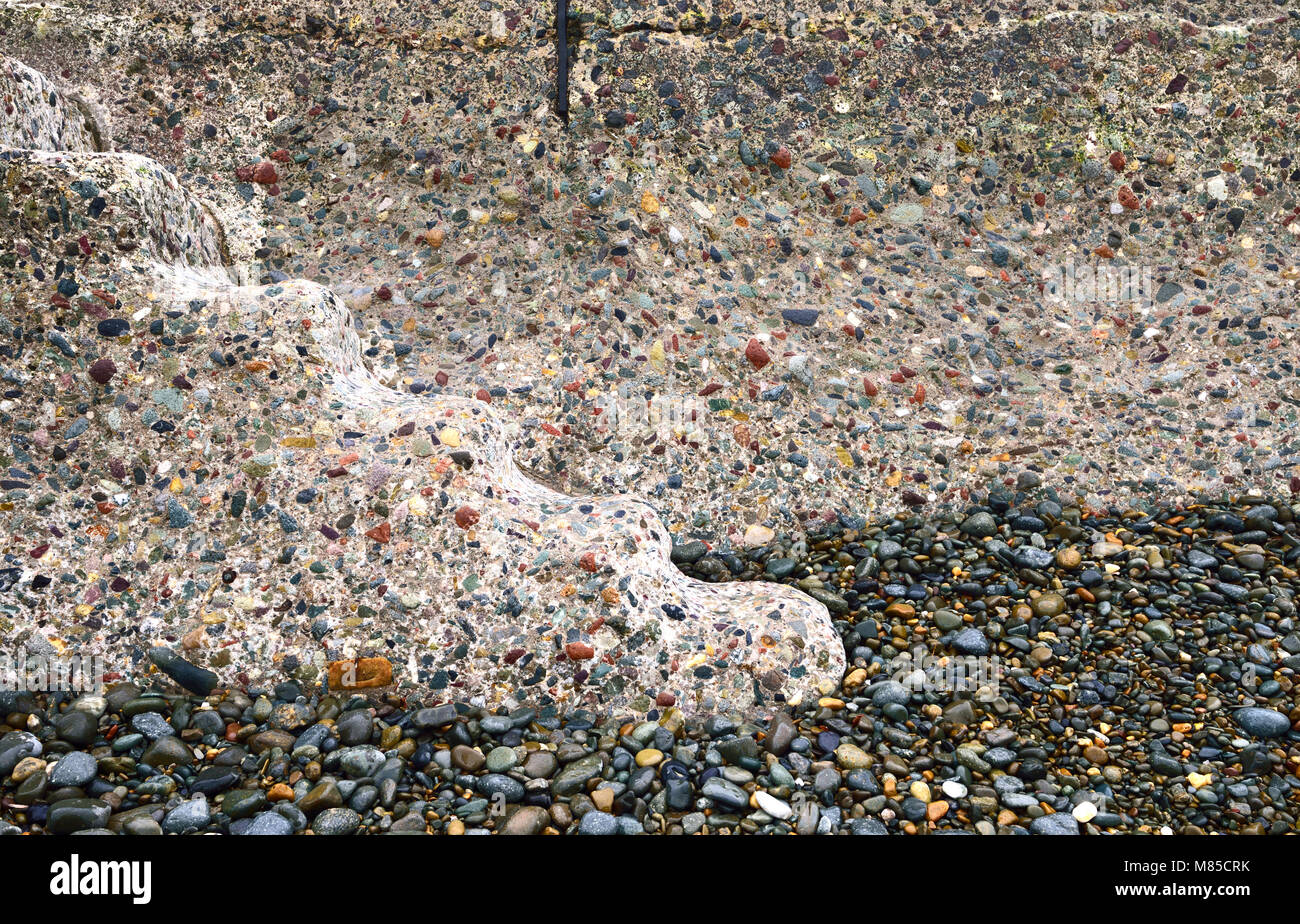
x=360, y=673
x=102, y=370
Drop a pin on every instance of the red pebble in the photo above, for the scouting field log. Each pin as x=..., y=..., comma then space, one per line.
x=466, y=517
x=755, y=353
x=579, y=651
x=265, y=174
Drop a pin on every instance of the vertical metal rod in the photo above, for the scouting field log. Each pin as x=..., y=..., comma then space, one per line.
x=562, y=59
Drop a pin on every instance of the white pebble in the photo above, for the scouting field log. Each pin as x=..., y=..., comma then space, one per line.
x=953, y=789
x=772, y=805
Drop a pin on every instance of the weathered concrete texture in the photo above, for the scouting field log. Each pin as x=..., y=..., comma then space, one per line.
x=365, y=511
x=908, y=217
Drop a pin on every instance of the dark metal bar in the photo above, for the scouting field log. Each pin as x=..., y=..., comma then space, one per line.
x=562, y=59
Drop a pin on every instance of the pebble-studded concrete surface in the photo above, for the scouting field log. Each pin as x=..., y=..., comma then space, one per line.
x=781, y=270
x=715, y=187
x=477, y=540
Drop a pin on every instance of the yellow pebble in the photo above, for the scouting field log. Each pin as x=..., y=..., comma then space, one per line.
x=856, y=678
x=649, y=757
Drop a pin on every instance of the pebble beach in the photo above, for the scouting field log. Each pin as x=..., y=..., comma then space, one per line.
x=1139, y=697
